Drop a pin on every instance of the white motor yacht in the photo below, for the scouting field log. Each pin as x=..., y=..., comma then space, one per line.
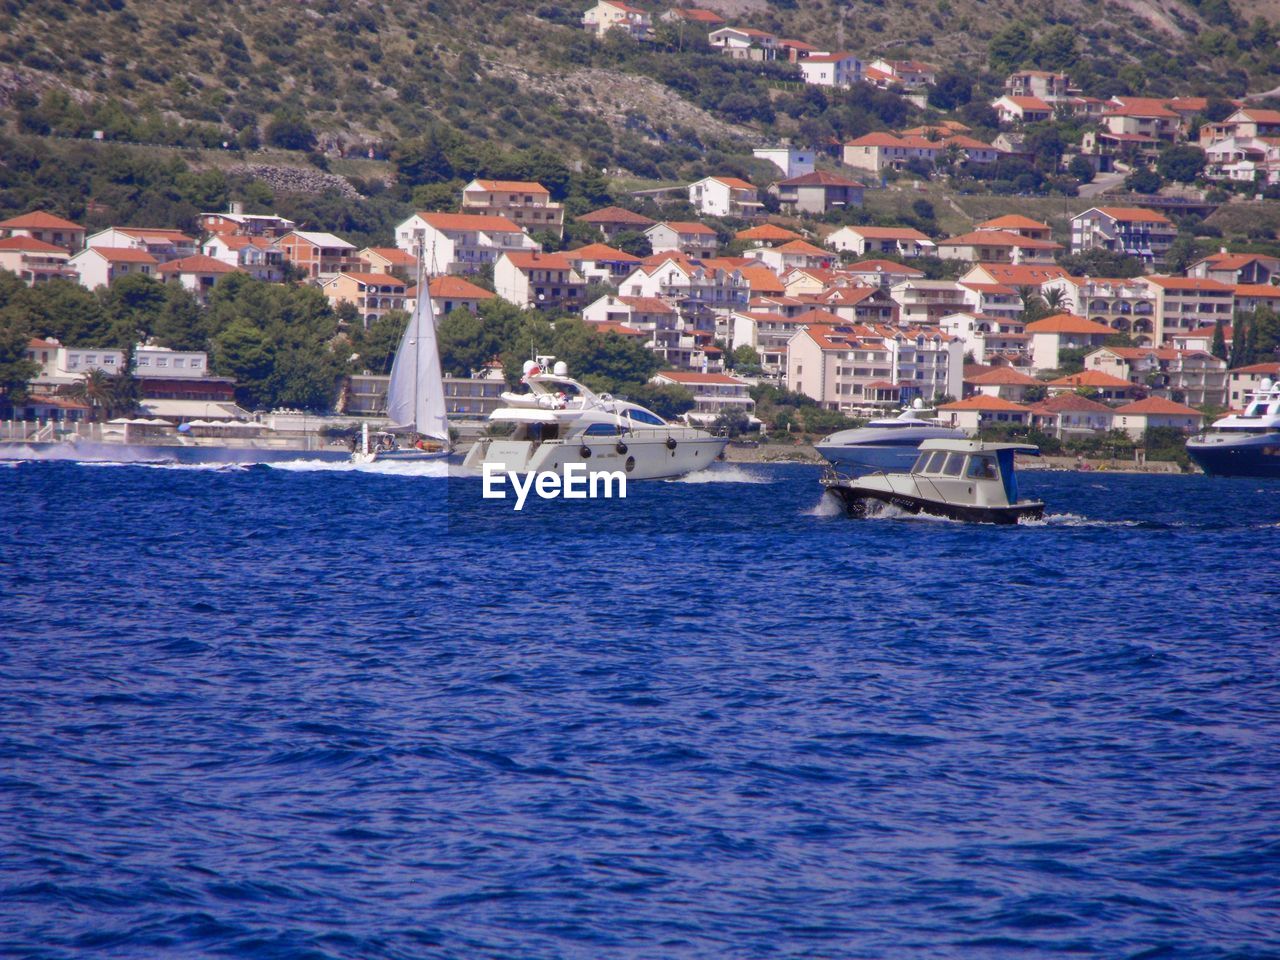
x=561, y=421
x=961, y=479
x=1243, y=444
x=890, y=443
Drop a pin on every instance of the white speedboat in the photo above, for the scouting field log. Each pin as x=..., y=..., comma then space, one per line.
x=885, y=444
x=561, y=421
x=961, y=479
x=1243, y=444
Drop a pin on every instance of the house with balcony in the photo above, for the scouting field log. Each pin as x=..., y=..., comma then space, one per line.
x=1251, y=296
x=1133, y=231
x=615, y=15
x=259, y=257
x=196, y=274
x=34, y=261
x=1237, y=268
x=372, y=294
x=817, y=193
x=599, y=263
x=744, y=43
x=1070, y=415
x=840, y=69
x=1021, y=110
x=1043, y=84
x=766, y=235
x=1189, y=376
x=450, y=293
x=908, y=74
x=528, y=205
x=1127, y=306
x=162, y=244
x=318, y=254
x=856, y=304
x=713, y=393
x=725, y=197
x=1005, y=382
x=460, y=242
x=695, y=240
x=695, y=289
x=881, y=151
x=611, y=221
x=1183, y=304
x=1063, y=331
x=666, y=334
x=923, y=301
x=995, y=246
x=1019, y=226
x=103, y=266
x=545, y=281
x=796, y=254
x=870, y=241
x=974, y=413
x=995, y=300
x=45, y=227
x=1247, y=122
x=237, y=223
x=1101, y=385
x=1142, y=117
x=1137, y=418
x=389, y=260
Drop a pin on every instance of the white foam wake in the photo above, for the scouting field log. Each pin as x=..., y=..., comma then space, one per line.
x=386, y=468
x=722, y=473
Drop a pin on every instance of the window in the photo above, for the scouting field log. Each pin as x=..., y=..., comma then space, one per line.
x=982, y=468
x=162, y=361
x=144, y=361
x=954, y=465
x=178, y=362
x=644, y=416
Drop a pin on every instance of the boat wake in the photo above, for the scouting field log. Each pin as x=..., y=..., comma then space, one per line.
x=144, y=465
x=386, y=468
x=722, y=473
x=1075, y=520
x=827, y=506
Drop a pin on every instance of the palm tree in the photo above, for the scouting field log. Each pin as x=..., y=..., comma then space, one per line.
x=108, y=395
x=1056, y=299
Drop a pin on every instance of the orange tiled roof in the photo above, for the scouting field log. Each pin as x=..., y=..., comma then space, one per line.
x=1068, y=323
x=1158, y=405
x=38, y=220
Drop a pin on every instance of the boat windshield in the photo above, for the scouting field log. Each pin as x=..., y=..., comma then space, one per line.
x=954, y=465
x=641, y=415
x=982, y=467
x=921, y=461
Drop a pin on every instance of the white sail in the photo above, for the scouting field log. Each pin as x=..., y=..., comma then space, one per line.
x=415, y=395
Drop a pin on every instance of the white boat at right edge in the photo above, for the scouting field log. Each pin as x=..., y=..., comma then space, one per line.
x=561, y=421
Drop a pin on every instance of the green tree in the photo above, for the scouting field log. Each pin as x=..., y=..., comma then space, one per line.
x=1219, y=346
x=1182, y=163
x=669, y=401
x=1081, y=169
x=1143, y=180
x=244, y=352
x=15, y=369
x=289, y=129
x=1239, y=342
x=1010, y=48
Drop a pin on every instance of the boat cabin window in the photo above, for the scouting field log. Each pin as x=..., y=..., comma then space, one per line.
x=936, y=459
x=954, y=465
x=602, y=430
x=644, y=416
x=919, y=465
x=538, y=432
x=982, y=468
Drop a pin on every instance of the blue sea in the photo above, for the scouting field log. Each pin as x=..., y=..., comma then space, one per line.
x=306, y=711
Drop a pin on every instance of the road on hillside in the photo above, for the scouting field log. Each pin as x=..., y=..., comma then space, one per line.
x=1101, y=184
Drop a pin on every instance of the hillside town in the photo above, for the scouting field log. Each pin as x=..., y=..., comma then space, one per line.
x=987, y=325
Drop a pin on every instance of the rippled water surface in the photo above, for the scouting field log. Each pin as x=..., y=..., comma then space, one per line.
x=316, y=712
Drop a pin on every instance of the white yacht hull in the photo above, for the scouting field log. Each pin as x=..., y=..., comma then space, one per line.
x=635, y=458
x=409, y=455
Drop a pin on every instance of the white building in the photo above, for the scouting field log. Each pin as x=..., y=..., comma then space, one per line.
x=102, y=266
x=725, y=197
x=713, y=393
x=460, y=242
x=871, y=241
x=162, y=244
x=839, y=69
x=792, y=161
x=62, y=365
x=152, y=361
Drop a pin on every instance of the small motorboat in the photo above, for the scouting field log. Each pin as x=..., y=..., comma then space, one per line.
x=962, y=479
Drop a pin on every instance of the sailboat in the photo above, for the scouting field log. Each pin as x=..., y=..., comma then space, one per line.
x=415, y=395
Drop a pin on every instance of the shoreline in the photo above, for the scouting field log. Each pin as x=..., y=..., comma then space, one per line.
x=806, y=453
